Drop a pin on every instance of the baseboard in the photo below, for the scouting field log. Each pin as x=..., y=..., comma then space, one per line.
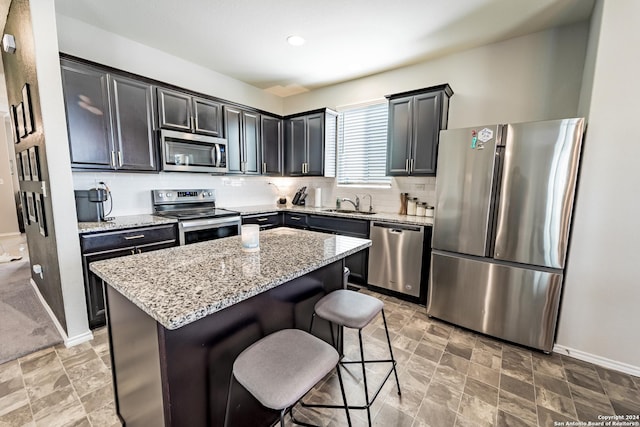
x=597, y=360
x=68, y=341
x=15, y=233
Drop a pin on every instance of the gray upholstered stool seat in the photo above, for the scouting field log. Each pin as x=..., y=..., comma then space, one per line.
x=355, y=310
x=282, y=367
x=348, y=308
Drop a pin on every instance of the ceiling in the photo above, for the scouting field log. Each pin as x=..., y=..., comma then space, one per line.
x=345, y=39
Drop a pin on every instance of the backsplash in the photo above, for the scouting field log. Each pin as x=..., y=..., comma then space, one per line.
x=132, y=192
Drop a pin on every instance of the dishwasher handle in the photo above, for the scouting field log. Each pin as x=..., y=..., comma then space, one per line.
x=397, y=228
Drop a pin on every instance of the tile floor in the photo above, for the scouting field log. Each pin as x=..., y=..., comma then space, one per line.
x=448, y=376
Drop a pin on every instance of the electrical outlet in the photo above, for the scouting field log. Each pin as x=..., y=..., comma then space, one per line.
x=419, y=187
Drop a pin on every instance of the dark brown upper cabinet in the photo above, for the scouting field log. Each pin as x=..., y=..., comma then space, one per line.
x=242, y=130
x=109, y=119
x=183, y=112
x=305, y=142
x=272, y=139
x=415, y=121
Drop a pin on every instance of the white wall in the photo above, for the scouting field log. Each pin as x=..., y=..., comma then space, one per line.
x=600, y=318
x=92, y=43
x=8, y=213
x=59, y=164
x=534, y=77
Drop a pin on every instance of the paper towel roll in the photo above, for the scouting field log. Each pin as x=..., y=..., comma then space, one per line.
x=318, y=196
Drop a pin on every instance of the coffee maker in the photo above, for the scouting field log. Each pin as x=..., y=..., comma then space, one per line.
x=90, y=203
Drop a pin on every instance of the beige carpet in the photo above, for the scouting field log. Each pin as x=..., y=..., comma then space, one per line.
x=25, y=326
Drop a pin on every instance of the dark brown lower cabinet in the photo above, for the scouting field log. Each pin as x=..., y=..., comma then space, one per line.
x=114, y=244
x=181, y=377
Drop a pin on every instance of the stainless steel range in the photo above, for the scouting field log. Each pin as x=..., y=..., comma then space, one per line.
x=198, y=217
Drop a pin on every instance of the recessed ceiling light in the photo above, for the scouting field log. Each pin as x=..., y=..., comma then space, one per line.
x=295, y=40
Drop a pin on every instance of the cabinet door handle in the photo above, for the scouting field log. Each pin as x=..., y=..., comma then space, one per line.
x=296, y=218
x=133, y=251
x=139, y=250
x=119, y=158
x=113, y=159
x=137, y=236
x=411, y=166
x=406, y=165
x=264, y=167
x=262, y=219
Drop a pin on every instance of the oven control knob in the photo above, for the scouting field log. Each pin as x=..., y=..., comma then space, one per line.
x=161, y=195
x=209, y=194
x=169, y=194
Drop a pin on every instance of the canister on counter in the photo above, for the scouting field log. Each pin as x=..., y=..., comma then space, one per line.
x=412, y=204
x=429, y=212
x=421, y=209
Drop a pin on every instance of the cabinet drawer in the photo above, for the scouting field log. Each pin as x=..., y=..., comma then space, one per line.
x=265, y=221
x=295, y=220
x=121, y=239
x=348, y=226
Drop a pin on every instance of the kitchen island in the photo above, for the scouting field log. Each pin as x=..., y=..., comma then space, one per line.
x=178, y=318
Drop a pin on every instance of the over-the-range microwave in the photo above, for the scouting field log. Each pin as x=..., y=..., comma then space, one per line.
x=188, y=152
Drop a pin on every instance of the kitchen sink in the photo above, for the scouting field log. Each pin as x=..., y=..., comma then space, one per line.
x=350, y=211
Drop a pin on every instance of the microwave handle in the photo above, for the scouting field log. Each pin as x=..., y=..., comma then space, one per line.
x=218, y=155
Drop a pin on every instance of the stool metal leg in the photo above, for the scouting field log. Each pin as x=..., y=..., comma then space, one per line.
x=344, y=395
x=386, y=330
x=282, y=412
x=364, y=377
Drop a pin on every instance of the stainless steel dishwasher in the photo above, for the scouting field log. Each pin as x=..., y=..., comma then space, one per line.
x=395, y=257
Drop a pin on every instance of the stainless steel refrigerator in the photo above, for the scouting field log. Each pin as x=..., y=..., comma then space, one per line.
x=504, y=202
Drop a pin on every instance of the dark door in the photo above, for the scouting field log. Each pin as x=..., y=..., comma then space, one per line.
x=296, y=145
x=271, y=136
x=426, y=126
x=400, y=136
x=233, y=132
x=315, y=144
x=208, y=117
x=251, y=142
x=132, y=106
x=174, y=110
x=86, y=103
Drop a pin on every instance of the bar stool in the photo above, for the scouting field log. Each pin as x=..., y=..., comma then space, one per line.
x=355, y=310
x=279, y=369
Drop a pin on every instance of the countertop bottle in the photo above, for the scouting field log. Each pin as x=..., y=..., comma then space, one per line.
x=403, y=203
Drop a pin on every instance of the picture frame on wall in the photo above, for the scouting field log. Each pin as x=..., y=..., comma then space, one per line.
x=20, y=120
x=19, y=167
x=34, y=163
x=14, y=124
x=25, y=207
x=28, y=113
x=31, y=207
x=42, y=222
x=26, y=171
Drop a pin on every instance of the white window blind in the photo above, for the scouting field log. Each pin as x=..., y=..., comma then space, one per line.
x=362, y=145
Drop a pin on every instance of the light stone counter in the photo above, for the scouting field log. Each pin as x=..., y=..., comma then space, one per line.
x=381, y=216
x=180, y=285
x=123, y=222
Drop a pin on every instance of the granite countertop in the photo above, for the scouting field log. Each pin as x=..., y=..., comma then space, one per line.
x=123, y=222
x=180, y=285
x=380, y=216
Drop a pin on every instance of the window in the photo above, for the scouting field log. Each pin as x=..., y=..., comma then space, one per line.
x=362, y=145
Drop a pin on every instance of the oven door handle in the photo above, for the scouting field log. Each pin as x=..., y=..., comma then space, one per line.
x=210, y=223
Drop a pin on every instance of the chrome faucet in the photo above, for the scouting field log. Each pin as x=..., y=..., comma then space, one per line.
x=355, y=205
x=370, y=201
